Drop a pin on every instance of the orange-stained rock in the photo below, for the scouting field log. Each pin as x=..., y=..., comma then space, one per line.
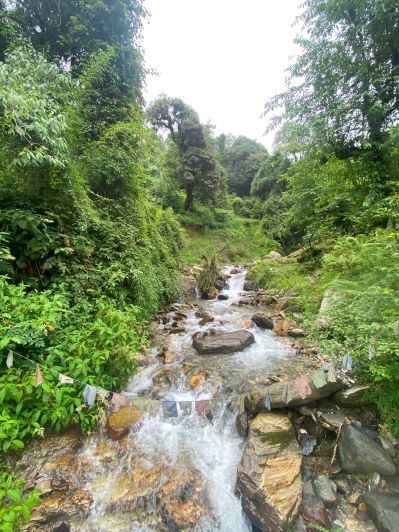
x=269, y=480
x=283, y=325
x=120, y=422
x=196, y=380
x=247, y=324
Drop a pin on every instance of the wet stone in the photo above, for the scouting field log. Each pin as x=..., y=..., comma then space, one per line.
x=325, y=489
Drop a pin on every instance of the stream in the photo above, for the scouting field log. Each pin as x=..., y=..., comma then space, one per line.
x=175, y=457
x=175, y=473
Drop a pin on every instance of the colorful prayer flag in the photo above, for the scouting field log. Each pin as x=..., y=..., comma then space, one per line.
x=185, y=407
x=202, y=407
x=38, y=376
x=10, y=360
x=64, y=379
x=301, y=384
x=89, y=394
x=268, y=402
x=169, y=408
x=347, y=361
x=118, y=401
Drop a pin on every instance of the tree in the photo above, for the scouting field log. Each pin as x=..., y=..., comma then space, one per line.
x=72, y=30
x=241, y=157
x=269, y=176
x=197, y=169
x=345, y=84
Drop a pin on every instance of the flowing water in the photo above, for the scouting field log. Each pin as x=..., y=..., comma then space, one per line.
x=183, y=468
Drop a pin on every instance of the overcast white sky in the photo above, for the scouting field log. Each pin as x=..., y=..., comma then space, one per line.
x=222, y=57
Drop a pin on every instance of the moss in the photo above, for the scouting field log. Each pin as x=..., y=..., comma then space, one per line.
x=283, y=438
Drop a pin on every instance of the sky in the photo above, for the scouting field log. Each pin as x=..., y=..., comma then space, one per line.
x=225, y=58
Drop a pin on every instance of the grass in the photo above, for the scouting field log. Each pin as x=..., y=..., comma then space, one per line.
x=241, y=240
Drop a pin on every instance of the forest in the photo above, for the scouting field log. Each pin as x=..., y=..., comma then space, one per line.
x=107, y=200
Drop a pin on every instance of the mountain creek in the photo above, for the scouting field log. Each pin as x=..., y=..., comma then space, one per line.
x=214, y=457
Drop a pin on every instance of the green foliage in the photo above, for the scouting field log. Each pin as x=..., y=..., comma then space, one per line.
x=95, y=341
x=15, y=505
x=343, y=86
x=114, y=164
x=208, y=276
x=238, y=240
x=241, y=159
x=34, y=98
x=72, y=30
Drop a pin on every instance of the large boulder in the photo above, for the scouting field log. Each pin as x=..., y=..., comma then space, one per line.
x=358, y=453
x=273, y=255
x=220, y=342
x=384, y=510
x=250, y=285
x=321, y=384
x=268, y=478
x=263, y=320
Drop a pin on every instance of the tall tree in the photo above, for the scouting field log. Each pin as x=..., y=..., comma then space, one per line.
x=197, y=170
x=345, y=83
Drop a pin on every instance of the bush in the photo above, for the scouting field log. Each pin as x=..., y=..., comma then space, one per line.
x=15, y=506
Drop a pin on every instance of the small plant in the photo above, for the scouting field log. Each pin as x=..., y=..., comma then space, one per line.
x=208, y=276
x=15, y=505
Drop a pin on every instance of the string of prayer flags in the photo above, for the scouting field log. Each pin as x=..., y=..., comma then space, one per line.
x=38, y=376
x=118, y=401
x=169, y=408
x=347, y=362
x=268, y=402
x=89, y=394
x=301, y=384
x=10, y=360
x=202, y=407
x=64, y=379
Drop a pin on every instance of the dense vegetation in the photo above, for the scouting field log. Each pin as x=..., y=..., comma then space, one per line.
x=102, y=202
x=331, y=187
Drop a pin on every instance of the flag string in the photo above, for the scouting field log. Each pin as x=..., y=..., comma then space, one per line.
x=45, y=366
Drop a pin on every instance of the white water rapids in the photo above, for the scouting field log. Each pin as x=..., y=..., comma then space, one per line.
x=210, y=448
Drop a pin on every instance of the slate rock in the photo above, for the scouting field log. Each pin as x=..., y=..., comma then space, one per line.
x=221, y=342
x=358, y=453
x=352, y=397
x=325, y=489
x=263, y=320
x=268, y=477
x=384, y=510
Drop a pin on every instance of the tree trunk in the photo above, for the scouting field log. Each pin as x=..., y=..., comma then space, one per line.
x=189, y=198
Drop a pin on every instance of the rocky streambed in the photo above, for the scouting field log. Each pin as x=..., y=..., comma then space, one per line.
x=232, y=425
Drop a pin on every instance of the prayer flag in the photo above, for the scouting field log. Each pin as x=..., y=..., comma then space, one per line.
x=331, y=374
x=268, y=403
x=64, y=379
x=202, y=407
x=118, y=401
x=319, y=378
x=169, y=408
x=185, y=407
x=10, y=360
x=301, y=384
x=347, y=361
x=38, y=376
x=287, y=393
x=89, y=394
